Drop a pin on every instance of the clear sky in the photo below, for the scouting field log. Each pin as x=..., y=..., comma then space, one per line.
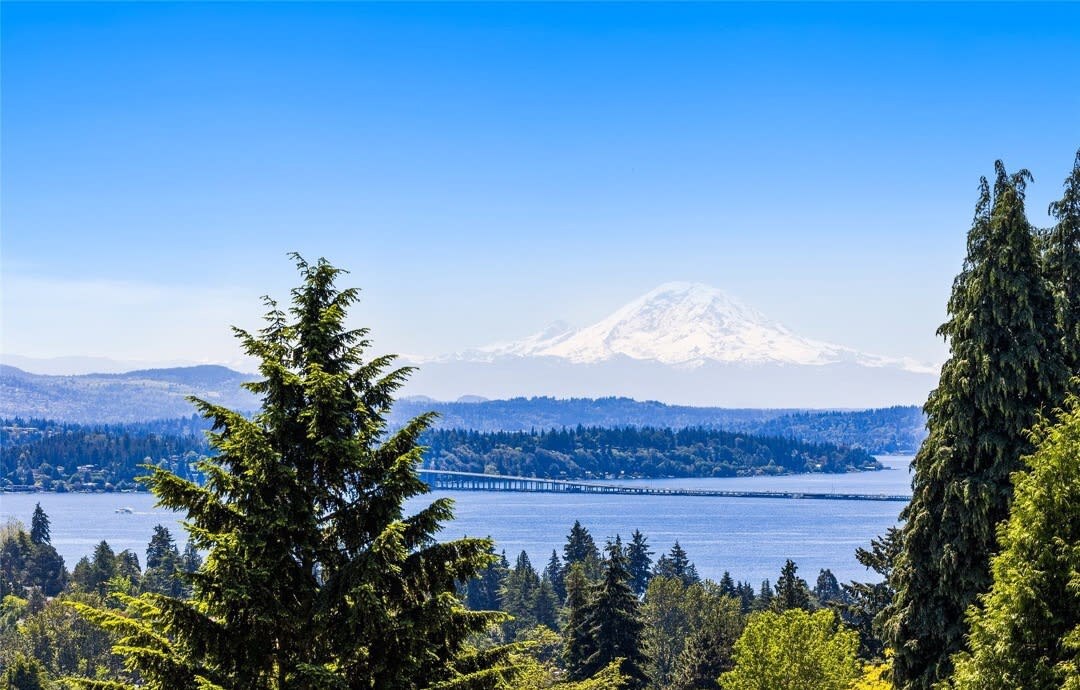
x=486, y=169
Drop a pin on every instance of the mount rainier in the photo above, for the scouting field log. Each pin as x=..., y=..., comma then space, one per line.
x=681, y=343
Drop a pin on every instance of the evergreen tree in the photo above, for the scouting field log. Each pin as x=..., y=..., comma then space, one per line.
x=1063, y=266
x=1005, y=365
x=727, y=585
x=25, y=674
x=578, y=642
x=93, y=575
x=555, y=574
x=581, y=548
x=545, y=608
x=639, y=562
x=614, y=624
x=1026, y=634
x=745, y=592
x=162, y=573
x=667, y=624
x=518, y=596
x=764, y=597
x=827, y=589
x=39, y=526
x=676, y=564
x=314, y=575
x=710, y=647
x=161, y=546
x=866, y=603
x=792, y=592
x=482, y=591
x=45, y=570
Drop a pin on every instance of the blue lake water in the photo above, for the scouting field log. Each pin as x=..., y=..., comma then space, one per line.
x=751, y=537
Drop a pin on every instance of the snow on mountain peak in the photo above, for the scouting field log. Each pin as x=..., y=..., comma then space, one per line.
x=686, y=324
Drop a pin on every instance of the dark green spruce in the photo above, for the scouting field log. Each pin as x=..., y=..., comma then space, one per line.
x=314, y=575
x=1005, y=365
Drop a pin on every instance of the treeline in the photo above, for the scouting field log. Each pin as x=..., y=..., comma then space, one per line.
x=585, y=452
x=42, y=639
x=54, y=456
x=889, y=430
x=586, y=608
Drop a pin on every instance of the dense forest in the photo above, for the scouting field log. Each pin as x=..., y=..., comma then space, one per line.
x=892, y=430
x=52, y=456
x=585, y=452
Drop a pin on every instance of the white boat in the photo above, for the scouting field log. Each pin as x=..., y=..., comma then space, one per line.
x=125, y=510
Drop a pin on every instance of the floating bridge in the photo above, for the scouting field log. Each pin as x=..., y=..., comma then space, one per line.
x=447, y=480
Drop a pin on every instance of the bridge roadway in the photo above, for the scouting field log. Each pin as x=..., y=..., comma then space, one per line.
x=474, y=481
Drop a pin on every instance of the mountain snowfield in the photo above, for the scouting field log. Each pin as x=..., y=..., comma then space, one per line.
x=686, y=324
x=683, y=343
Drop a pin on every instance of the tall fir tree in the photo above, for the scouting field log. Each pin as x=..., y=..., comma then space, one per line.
x=676, y=563
x=555, y=574
x=614, y=623
x=578, y=643
x=314, y=575
x=581, y=548
x=1063, y=266
x=866, y=604
x=517, y=596
x=1005, y=365
x=39, y=527
x=792, y=592
x=639, y=562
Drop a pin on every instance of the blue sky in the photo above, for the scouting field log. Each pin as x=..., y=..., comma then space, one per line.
x=486, y=169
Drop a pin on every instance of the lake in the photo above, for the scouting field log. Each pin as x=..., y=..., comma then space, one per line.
x=751, y=537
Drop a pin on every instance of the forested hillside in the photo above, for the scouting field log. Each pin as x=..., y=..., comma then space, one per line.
x=881, y=431
x=53, y=456
x=584, y=452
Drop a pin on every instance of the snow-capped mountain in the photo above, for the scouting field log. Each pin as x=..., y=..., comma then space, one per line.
x=685, y=324
x=681, y=343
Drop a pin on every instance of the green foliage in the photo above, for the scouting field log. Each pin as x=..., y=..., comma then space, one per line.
x=61, y=641
x=791, y=591
x=676, y=564
x=28, y=565
x=581, y=548
x=613, y=624
x=866, y=604
x=39, y=526
x=1025, y=633
x=793, y=650
x=880, y=431
x=710, y=647
x=666, y=615
x=314, y=576
x=639, y=562
x=689, y=632
x=583, y=452
x=579, y=643
x=555, y=574
x=58, y=456
x=1005, y=365
x=1063, y=266
x=25, y=673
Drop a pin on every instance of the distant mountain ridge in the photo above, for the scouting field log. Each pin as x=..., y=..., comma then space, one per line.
x=132, y=396
x=154, y=394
